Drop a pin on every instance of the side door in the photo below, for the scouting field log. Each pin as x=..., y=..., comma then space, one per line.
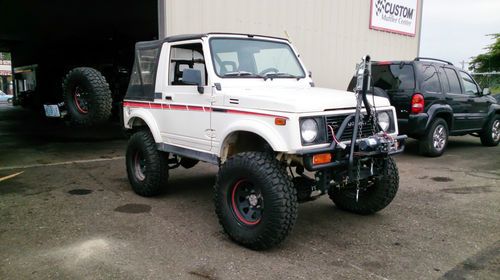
x=477, y=102
x=185, y=114
x=456, y=98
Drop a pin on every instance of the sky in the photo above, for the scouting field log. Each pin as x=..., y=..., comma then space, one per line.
x=455, y=30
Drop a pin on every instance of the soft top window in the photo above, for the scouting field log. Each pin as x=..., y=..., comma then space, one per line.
x=142, y=78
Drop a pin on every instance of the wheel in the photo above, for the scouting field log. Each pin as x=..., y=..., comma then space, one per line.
x=435, y=140
x=491, y=135
x=255, y=200
x=87, y=96
x=147, y=168
x=374, y=195
x=9, y=100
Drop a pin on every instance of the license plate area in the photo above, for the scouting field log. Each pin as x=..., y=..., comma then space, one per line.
x=52, y=111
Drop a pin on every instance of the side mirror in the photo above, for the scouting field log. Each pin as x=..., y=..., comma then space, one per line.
x=192, y=77
x=486, y=91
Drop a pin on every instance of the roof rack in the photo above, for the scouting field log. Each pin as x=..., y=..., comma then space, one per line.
x=435, y=59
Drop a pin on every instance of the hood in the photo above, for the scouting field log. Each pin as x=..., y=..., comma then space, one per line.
x=295, y=100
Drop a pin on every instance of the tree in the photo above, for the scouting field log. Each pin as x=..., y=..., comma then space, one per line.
x=489, y=61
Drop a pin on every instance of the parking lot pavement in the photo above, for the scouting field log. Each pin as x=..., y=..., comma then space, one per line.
x=71, y=215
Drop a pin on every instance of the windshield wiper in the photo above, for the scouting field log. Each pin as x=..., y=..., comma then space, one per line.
x=241, y=74
x=280, y=75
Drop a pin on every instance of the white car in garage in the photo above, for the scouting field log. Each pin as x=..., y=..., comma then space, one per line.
x=4, y=97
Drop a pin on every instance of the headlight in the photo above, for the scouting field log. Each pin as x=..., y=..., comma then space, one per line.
x=384, y=120
x=309, y=130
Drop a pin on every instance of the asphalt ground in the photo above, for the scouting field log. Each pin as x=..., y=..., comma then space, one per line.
x=67, y=212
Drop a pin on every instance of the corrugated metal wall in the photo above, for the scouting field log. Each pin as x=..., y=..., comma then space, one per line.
x=331, y=35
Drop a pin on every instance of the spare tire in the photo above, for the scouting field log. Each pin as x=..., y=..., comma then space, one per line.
x=87, y=96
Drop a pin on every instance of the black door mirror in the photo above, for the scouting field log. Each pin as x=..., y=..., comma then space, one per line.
x=486, y=91
x=192, y=77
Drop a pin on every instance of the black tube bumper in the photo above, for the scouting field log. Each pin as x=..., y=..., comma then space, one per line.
x=307, y=155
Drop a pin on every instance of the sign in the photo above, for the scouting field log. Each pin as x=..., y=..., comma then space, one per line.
x=397, y=16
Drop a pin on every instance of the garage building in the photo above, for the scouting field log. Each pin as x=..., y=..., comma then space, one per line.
x=47, y=39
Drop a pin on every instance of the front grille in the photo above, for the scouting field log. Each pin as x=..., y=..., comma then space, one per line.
x=336, y=122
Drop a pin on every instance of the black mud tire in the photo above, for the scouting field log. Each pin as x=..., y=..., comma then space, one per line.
x=487, y=137
x=147, y=168
x=426, y=143
x=87, y=97
x=375, y=197
x=279, y=200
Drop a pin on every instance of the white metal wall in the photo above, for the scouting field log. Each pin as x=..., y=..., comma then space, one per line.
x=331, y=35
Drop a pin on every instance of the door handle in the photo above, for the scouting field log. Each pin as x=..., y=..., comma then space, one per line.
x=448, y=98
x=168, y=98
x=470, y=99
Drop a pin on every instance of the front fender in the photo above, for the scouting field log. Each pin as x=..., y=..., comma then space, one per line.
x=494, y=109
x=265, y=130
x=146, y=117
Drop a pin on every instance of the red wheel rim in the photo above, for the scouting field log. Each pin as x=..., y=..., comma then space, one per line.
x=247, y=202
x=80, y=101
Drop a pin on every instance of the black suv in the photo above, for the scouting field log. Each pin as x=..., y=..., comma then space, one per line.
x=434, y=99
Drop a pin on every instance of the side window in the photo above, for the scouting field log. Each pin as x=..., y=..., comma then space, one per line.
x=430, y=81
x=453, y=80
x=469, y=84
x=186, y=56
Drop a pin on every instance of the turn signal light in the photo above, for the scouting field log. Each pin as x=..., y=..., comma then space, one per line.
x=322, y=158
x=280, y=121
x=417, y=103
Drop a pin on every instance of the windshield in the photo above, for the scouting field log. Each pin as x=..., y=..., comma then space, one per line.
x=252, y=58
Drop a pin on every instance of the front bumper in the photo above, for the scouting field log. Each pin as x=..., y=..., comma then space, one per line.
x=340, y=157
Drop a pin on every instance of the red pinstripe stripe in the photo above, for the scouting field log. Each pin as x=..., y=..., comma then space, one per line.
x=178, y=107
x=135, y=104
x=194, y=108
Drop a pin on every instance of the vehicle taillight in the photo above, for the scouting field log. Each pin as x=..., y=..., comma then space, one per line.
x=417, y=103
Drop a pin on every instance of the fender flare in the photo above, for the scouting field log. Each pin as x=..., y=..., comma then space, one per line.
x=147, y=118
x=437, y=109
x=492, y=111
x=258, y=127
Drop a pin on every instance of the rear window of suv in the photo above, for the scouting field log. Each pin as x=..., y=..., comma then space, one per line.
x=393, y=77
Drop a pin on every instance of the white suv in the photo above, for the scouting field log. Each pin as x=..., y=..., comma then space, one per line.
x=247, y=104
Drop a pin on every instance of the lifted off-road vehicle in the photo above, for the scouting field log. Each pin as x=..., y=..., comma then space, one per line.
x=246, y=104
